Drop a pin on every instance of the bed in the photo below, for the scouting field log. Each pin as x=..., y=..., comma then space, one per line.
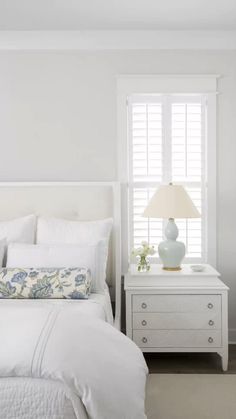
x=66, y=358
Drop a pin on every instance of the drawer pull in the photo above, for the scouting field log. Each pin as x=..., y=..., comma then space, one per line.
x=210, y=305
x=210, y=340
x=144, y=323
x=211, y=322
x=144, y=305
x=144, y=340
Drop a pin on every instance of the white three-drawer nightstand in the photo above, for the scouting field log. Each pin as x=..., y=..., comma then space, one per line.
x=181, y=311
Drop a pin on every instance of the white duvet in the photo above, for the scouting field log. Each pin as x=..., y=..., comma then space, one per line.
x=96, y=369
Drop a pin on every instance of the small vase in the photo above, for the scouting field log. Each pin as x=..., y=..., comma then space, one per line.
x=144, y=264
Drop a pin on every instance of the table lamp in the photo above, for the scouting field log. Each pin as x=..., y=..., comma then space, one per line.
x=171, y=201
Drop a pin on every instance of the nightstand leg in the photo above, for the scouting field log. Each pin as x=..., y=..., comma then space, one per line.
x=225, y=346
x=224, y=360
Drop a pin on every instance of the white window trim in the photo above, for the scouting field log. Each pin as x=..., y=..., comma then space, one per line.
x=128, y=85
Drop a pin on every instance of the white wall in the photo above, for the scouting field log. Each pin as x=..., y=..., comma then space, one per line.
x=58, y=122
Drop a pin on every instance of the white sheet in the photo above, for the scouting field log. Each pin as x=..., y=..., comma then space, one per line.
x=98, y=364
x=105, y=302
x=98, y=305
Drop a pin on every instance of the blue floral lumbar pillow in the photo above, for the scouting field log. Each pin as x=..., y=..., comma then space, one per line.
x=73, y=283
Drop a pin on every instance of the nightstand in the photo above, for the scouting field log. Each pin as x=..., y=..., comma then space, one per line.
x=182, y=311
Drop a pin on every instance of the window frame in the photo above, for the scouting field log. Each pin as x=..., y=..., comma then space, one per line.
x=158, y=85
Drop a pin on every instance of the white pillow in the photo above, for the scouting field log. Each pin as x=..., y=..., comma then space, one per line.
x=20, y=230
x=60, y=231
x=92, y=256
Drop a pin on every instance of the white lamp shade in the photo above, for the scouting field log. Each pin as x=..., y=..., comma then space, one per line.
x=171, y=201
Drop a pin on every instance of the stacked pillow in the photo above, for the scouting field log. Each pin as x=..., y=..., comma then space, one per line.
x=61, y=243
x=20, y=230
x=60, y=231
x=92, y=256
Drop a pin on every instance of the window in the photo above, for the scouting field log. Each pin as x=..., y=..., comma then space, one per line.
x=167, y=132
x=167, y=144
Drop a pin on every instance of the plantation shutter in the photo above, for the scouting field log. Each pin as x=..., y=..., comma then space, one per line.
x=167, y=143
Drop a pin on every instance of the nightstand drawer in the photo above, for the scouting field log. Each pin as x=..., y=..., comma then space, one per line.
x=178, y=303
x=177, y=338
x=177, y=320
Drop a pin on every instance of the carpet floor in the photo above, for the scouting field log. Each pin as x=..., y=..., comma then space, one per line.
x=191, y=396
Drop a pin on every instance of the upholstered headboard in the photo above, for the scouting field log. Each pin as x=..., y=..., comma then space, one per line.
x=71, y=200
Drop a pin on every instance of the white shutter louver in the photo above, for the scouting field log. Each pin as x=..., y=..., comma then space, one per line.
x=187, y=136
x=166, y=143
x=143, y=228
x=147, y=141
x=186, y=142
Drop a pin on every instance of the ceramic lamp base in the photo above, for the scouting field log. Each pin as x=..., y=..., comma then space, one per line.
x=171, y=251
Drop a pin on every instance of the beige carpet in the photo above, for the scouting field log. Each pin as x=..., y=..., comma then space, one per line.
x=191, y=396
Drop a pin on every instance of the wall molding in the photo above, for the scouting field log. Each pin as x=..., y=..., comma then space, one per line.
x=117, y=40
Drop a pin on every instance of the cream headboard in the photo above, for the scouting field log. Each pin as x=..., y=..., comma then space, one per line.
x=72, y=200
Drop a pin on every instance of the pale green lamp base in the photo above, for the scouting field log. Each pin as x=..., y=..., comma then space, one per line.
x=171, y=252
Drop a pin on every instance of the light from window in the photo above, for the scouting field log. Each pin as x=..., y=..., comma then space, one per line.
x=167, y=143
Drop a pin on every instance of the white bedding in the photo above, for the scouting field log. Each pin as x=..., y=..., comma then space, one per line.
x=97, y=305
x=32, y=398
x=104, y=301
x=62, y=356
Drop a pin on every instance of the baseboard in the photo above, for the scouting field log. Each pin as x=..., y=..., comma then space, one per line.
x=232, y=336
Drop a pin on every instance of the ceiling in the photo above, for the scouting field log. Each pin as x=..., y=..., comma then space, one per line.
x=117, y=15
